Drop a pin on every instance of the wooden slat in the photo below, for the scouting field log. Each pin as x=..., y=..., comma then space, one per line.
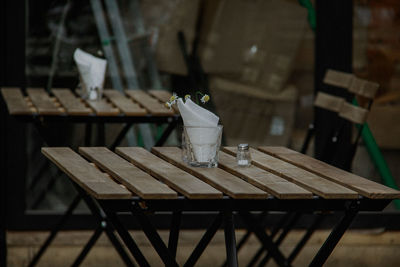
x=361, y=185
x=262, y=179
x=329, y=102
x=72, y=104
x=103, y=108
x=42, y=102
x=16, y=102
x=179, y=180
x=91, y=179
x=163, y=96
x=353, y=113
x=154, y=106
x=126, y=105
x=225, y=182
x=301, y=177
x=364, y=88
x=338, y=78
x=136, y=180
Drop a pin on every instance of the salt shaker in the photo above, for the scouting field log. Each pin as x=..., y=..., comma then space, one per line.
x=243, y=155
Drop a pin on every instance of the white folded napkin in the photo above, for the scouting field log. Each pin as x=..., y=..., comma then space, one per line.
x=202, y=129
x=92, y=72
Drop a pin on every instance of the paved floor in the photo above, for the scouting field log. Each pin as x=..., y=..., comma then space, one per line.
x=357, y=248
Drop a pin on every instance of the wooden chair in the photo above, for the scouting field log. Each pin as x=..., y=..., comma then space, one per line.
x=363, y=93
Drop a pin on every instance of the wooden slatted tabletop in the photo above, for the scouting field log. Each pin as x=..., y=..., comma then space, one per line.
x=153, y=105
x=178, y=179
x=72, y=104
x=43, y=103
x=126, y=105
x=65, y=102
x=361, y=185
x=161, y=174
x=310, y=181
x=16, y=102
x=86, y=175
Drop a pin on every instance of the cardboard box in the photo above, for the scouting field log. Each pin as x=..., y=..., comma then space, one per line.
x=256, y=40
x=252, y=116
x=168, y=53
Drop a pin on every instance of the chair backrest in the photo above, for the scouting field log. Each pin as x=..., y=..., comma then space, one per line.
x=361, y=88
x=364, y=91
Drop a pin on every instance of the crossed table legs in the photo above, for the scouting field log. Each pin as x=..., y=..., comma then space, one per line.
x=106, y=213
x=225, y=216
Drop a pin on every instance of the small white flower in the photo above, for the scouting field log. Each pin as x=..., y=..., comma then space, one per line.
x=168, y=104
x=187, y=97
x=173, y=98
x=205, y=98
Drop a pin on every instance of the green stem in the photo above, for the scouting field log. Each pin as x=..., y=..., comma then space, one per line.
x=197, y=97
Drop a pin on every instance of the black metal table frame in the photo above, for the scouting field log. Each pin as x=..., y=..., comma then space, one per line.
x=225, y=208
x=40, y=120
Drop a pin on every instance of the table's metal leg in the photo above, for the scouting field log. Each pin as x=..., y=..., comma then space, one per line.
x=39, y=174
x=334, y=237
x=204, y=241
x=166, y=133
x=307, y=140
x=266, y=240
x=246, y=237
x=40, y=128
x=282, y=236
x=128, y=240
x=174, y=232
x=283, y=221
x=55, y=230
x=88, y=134
x=230, y=239
x=101, y=217
x=121, y=136
x=306, y=237
x=101, y=134
x=93, y=239
x=48, y=187
x=154, y=238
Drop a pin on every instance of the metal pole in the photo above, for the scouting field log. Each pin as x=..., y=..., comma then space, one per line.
x=204, y=241
x=230, y=239
x=152, y=235
x=88, y=246
x=266, y=240
x=106, y=44
x=334, y=238
x=140, y=30
x=174, y=232
x=55, y=230
x=122, y=44
x=60, y=32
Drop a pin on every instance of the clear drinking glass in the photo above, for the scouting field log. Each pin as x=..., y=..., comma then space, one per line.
x=200, y=145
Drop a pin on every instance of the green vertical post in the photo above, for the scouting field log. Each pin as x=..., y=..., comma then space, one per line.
x=378, y=159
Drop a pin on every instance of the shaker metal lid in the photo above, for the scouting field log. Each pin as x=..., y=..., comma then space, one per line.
x=243, y=146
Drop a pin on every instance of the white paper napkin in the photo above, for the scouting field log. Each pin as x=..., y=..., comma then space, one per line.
x=204, y=134
x=92, y=72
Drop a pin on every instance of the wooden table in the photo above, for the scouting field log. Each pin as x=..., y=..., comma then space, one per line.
x=35, y=105
x=63, y=105
x=135, y=180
